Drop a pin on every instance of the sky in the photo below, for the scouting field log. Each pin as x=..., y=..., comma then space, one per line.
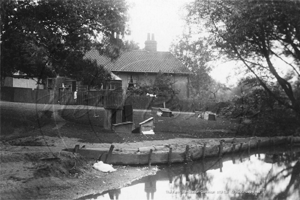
x=165, y=19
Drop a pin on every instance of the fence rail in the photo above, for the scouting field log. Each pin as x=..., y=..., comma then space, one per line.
x=102, y=98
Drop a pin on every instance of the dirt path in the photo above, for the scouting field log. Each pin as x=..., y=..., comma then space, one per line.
x=34, y=167
x=40, y=175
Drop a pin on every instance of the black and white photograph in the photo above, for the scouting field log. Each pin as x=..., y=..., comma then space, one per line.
x=150, y=99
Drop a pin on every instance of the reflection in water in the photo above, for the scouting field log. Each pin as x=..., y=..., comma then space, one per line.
x=114, y=194
x=269, y=175
x=150, y=186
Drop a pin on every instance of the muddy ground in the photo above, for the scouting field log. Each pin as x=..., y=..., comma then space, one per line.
x=33, y=165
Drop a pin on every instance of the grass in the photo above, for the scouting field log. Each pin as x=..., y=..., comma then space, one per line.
x=86, y=123
x=180, y=123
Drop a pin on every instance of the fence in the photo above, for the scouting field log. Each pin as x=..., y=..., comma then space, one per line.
x=101, y=98
x=105, y=98
x=146, y=102
x=25, y=95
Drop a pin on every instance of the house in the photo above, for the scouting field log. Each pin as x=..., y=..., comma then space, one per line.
x=68, y=84
x=62, y=89
x=62, y=83
x=142, y=66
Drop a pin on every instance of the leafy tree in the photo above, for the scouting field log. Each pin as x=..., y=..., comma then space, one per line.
x=87, y=71
x=195, y=55
x=43, y=38
x=130, y=46
x=257, y=33
x=163, y=86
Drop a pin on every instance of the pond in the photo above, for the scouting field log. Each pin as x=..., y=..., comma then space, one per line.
x=266, y=174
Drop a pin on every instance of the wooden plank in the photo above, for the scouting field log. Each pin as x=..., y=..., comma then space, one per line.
x=125, y=127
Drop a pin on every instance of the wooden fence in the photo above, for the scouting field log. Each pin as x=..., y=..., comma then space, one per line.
x=25, y=95
x=102, y=98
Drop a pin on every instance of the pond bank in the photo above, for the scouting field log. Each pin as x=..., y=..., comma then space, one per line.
x=175, y=151
x=33, y=165
x=43, y=172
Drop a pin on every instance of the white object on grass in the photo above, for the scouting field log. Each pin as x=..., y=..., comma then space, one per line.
x=151, y=95
x=159, y=113
x=103, y=167
x=150, y=132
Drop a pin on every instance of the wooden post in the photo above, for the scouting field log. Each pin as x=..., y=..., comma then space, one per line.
x=291, y=144
x=249, y=150
x=107, y=119
x=221, y=164
x=203, y=166
x=170, y=156
x=291, y=140
x=76, y=148
x=187, y=148
x=241, y=146
x=221, y=148
x=149, y=160
x=257, y=146
x=249, y=144
x=233, y=159
x=233, y=147
x=203, y=151
x=170, y=177
x=109, y=152
x=240, y=151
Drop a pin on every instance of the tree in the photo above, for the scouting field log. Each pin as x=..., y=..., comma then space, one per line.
x=260, y=34
x=42, y=38
x=87, y=71
x=163, y=86
x=130, y=46
x=194, y=55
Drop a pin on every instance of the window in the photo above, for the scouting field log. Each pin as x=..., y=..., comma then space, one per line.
x=112, y=86
x=50, y=83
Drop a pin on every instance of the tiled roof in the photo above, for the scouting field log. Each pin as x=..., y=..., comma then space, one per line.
x=141, y=61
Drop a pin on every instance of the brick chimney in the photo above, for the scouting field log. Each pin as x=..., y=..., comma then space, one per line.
x=150, y=44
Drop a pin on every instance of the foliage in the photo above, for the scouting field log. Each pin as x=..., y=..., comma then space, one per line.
x=87, y=71
x=195, y=56
x=257, y=33
x=130, y=46
x=42, y=38
x=267, y=117
x=163, y=86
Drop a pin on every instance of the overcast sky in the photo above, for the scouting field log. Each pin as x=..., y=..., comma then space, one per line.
x=161, y=17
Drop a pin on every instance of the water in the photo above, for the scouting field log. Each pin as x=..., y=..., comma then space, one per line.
x=267, y=174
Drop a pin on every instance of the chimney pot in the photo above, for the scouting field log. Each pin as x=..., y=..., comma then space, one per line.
x=151, y=45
